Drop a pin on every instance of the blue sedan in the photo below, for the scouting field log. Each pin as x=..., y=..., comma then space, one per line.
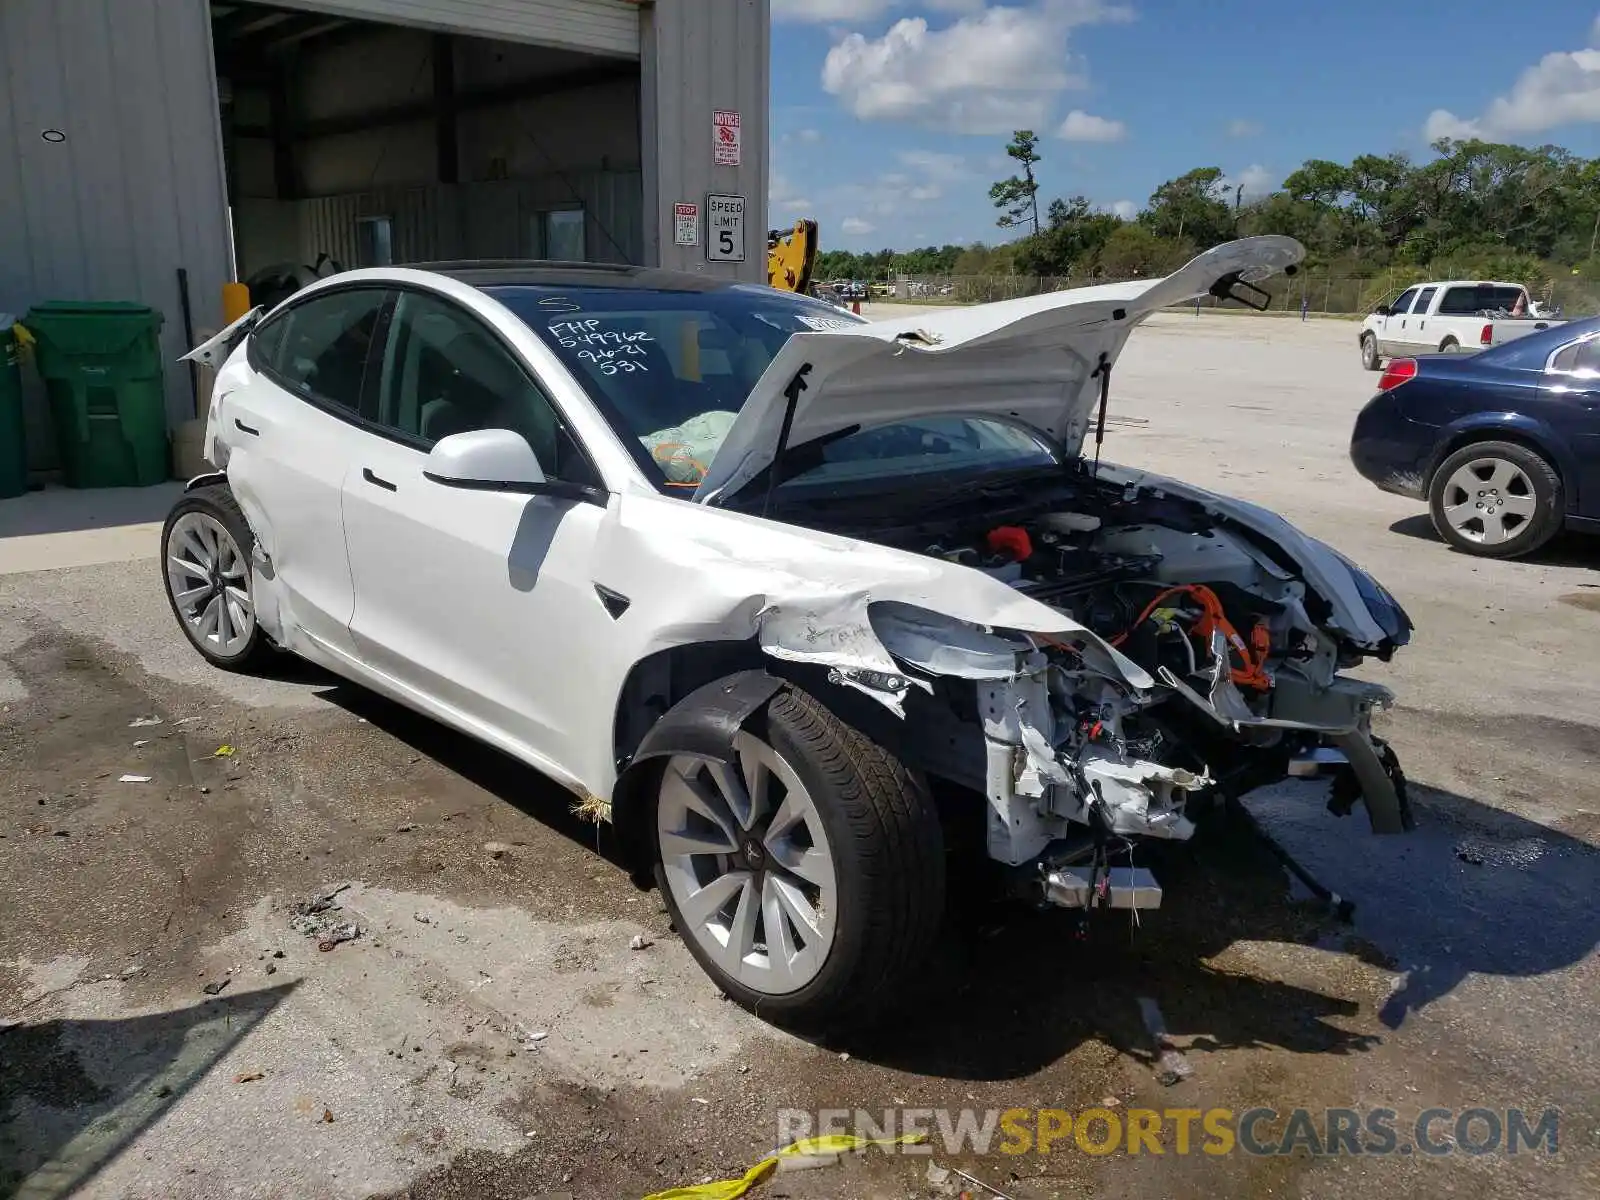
x=1503, y=445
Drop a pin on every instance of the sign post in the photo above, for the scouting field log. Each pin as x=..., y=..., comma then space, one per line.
x=724, y=228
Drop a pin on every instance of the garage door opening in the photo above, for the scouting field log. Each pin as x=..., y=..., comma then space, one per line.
x=351, y=142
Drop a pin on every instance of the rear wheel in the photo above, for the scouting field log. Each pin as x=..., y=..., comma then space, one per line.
x=806, y=877
x=205, y=556
x=1449, y=346
x=1496, y=500
x=1369, y=352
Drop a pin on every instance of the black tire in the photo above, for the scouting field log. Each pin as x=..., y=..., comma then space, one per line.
x=1546, y=489
x=1370, y=358
x=216, y=501
x=888, y=850
x=1449, y=346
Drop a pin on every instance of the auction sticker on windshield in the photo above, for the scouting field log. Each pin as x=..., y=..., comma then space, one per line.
x=724, y=228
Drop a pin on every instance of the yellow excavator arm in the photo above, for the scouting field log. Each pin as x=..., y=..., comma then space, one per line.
x=791, y=255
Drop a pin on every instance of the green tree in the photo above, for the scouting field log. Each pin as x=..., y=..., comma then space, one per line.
x=1018, y=196
x=1191, y=207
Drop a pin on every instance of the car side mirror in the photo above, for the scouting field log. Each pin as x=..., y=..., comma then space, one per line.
x=497, y=460
x=1381, y=311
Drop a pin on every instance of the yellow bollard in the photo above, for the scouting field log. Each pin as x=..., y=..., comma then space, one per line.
x=235, y=302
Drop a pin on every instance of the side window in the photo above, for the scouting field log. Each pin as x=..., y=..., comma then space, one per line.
x=444, y=373
x=1578, y=357
x=1459, y=302
x=1403, y=305
x=321, y=350
x=1425, y=299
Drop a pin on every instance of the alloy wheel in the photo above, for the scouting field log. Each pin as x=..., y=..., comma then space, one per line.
x=747, y=859
x=1490, y=501
x=208, y=579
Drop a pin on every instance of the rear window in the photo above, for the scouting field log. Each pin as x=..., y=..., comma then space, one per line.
x=1483, y=297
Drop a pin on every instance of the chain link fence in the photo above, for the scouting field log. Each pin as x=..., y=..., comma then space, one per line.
x=1315, y=292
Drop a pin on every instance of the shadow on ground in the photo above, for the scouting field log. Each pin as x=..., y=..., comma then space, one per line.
x=1565, y=550
x=1013, y=989
x=67, y=510
x=74, y=1094
x=517, y=784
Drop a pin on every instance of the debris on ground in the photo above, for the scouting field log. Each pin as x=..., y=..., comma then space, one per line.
x=320, y=918
x=1481, y=852
x=422, y=918
x=222, y=752
x=249, y=1076
x=640, y=942
x=937, y=1174
x=327, y=1116
x=496, y=849
x=141, y=742
x=1171, y=1066
x=406, y=828
x=134, y=779
x=143, y=722
x=538, y=1035
x=216, y=985
x=987, y=1187
x=831, y=1145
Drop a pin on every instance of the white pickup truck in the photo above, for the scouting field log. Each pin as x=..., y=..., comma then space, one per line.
x=1456, y=315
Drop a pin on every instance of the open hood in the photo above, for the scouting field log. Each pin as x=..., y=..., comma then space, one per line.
x=1038, y=359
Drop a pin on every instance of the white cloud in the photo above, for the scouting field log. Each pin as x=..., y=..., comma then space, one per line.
x=1240, y=128
x=783, y=198
x=934, y=164
x=1085, y=127
x=855, y=226
x=1257, y=181
x=809, y=135
x=1126, y=209
x=991, y=71
x=922, y=193
x=1562, y=88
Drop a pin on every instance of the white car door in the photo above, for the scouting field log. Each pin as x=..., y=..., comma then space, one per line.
x=290, y=436
x=1391, y=335
x=480, y=604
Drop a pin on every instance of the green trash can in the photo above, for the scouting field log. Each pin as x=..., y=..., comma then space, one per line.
x=13, y=447
x=101, y=366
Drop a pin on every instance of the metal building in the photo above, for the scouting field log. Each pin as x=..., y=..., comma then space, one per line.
x=228, y=138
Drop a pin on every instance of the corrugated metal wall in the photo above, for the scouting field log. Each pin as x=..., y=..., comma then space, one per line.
x=135, y=190
x=479, y=220
x=700, y=56
x=602, y=26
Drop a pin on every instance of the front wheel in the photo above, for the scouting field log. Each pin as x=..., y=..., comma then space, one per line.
x=1369, y=352
x=807, y=876
x=1496, y=500
x=205, y=559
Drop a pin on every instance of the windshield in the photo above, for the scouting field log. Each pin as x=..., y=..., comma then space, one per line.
x=671, y=369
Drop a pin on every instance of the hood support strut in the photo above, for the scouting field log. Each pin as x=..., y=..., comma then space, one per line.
x=791, y=397
x=1104, y=371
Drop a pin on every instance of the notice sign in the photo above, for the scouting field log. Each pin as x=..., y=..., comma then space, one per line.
x=725, y=138
x=685, y=224
x=724, y=228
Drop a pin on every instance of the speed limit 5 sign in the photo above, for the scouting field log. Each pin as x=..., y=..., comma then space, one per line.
x=724, y=228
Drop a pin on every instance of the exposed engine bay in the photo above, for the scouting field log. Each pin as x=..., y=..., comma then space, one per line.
x=1223, y=673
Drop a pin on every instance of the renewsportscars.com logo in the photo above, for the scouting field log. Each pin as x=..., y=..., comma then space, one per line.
x=1184, y=1131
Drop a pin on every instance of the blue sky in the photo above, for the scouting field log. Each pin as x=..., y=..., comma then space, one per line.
x=889, y=117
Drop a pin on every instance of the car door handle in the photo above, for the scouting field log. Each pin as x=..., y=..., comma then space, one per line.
x=243, y=428
x=366, y=473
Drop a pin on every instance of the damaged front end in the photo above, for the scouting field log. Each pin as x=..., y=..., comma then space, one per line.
x=1205, y=659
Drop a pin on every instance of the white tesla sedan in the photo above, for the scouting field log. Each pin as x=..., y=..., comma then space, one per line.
x=805, y=605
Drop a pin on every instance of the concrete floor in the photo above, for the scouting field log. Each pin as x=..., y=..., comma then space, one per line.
x=407, y=1063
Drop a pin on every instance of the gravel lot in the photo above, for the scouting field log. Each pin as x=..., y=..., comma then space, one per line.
x=492, y=1034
